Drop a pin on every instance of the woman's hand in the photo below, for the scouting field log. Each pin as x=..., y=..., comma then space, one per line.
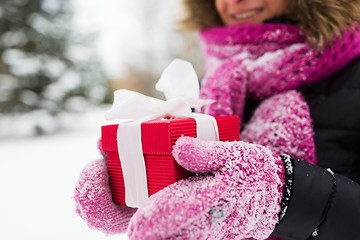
x=236, y=195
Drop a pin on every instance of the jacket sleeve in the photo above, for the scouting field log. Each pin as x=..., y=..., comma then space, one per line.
x=321, y=205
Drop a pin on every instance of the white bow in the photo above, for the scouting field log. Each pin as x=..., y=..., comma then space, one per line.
x=180, y=86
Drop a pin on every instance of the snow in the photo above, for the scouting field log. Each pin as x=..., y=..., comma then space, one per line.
x=37, y=174
x=37, y=177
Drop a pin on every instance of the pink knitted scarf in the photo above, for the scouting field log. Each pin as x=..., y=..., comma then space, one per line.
x=258, y=61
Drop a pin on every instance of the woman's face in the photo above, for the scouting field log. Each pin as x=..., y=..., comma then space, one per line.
x=238, y=12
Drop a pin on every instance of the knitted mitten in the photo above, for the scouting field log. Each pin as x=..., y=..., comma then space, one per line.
x=236, y=196
x=93, y=200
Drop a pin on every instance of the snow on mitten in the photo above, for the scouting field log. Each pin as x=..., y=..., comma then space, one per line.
x=100, y=148
x=94, y=202
x=236, y=196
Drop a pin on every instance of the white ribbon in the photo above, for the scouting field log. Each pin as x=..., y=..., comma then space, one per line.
x=180, y=86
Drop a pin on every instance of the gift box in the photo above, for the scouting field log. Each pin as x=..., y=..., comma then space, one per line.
x=157, y=139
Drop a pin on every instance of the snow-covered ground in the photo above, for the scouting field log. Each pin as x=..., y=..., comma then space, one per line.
x=37, y=177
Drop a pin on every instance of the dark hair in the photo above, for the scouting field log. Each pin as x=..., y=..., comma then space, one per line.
x=321, y=20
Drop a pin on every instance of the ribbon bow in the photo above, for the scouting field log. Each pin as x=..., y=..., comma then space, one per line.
x=180, y=86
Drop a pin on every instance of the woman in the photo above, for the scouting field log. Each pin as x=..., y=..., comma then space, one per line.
x=290, y=70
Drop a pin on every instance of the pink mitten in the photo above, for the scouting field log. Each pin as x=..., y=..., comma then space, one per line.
x=238, y=197
x=94, y=203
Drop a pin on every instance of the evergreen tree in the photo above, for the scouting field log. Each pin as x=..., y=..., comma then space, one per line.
x=44, y=65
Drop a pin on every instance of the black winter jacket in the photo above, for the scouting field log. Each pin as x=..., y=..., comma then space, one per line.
x=325, y=204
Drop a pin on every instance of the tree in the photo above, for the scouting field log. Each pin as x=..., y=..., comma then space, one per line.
x=44, y=66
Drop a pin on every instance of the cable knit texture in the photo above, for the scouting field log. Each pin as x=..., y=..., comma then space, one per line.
x=93, y=200
x=239, y=199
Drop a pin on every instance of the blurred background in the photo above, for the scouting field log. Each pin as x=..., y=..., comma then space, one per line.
x=61, y=57
x=60, y=61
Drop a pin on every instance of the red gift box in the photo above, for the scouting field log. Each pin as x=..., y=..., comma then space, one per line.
x=157, y=138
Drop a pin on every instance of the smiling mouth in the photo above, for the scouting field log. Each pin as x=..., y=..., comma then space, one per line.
x=242, y=16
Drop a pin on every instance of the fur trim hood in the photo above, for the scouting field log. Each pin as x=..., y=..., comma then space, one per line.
x=323, y=19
